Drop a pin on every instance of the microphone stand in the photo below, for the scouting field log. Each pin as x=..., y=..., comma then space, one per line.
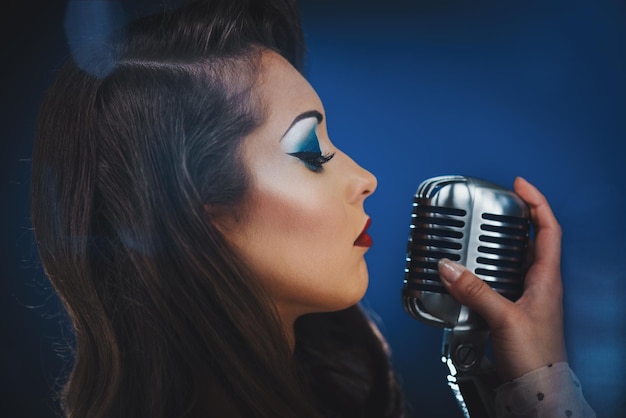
x=472, y=377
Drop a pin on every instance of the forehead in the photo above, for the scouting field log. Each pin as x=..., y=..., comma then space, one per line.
x=284, y=92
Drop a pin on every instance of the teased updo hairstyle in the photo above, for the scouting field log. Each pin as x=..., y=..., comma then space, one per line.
x=168, y=321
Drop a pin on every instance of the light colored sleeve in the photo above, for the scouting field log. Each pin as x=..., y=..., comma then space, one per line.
x=549, y=392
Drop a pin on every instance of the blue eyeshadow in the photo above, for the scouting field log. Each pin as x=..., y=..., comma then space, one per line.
x=310, y=143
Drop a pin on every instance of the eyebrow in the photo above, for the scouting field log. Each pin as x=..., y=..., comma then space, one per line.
x=308, y=114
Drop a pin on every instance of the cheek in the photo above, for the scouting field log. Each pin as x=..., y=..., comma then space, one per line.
x=304, y=220
x=300, y=240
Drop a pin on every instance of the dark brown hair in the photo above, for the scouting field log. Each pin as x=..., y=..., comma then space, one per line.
x=168, y=320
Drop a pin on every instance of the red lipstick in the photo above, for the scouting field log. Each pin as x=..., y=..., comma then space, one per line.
x=364, y=240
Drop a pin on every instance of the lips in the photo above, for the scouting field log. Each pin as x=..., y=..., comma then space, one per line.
x=364, y=240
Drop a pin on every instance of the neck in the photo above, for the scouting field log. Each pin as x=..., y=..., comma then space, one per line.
x=288, y=320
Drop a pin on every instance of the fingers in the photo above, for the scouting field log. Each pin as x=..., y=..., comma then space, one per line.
x=474, y=293
x=547, y=229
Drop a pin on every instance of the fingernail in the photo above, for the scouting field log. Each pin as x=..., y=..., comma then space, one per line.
x=449, y=270
x=522, y=179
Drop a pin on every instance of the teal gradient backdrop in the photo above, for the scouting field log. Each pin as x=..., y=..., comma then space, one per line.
x=412, y=89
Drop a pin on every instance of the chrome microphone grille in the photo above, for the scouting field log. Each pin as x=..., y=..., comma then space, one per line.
x=436, y=232
x=501, y=252
x=478, y=224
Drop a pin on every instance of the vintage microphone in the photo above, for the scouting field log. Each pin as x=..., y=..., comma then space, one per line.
x=486, y=228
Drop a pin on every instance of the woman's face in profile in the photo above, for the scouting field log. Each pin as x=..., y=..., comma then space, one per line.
x=303, y=223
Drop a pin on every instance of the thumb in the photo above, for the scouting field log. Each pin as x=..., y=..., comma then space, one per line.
x=474, y=293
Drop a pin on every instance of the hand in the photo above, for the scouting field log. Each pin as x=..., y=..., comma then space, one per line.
x=526, y=334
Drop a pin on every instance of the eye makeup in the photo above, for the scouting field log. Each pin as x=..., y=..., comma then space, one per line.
x=301, y=141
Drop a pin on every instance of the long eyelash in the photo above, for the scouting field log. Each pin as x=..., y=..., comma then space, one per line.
x=313, y=160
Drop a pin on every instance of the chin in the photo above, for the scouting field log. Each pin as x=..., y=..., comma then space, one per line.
x=359, y=290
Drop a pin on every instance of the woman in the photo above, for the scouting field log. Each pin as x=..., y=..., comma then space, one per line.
x=207, y=238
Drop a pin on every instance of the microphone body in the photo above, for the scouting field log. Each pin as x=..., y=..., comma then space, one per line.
x=486, y=228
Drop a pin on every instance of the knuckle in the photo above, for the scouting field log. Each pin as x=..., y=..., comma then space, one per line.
x=557, y=229
x=553, y=223
x=474, y=287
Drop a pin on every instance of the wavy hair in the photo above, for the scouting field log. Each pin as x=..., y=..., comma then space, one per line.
x=167, y=318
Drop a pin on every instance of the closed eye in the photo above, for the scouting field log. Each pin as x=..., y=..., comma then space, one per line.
x=301, y=141
x=313, y=160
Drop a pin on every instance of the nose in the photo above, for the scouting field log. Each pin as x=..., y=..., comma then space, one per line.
x=362, y=183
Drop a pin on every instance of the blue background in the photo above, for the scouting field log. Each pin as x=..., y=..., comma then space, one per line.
x=415, y=89
x=412, y=89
